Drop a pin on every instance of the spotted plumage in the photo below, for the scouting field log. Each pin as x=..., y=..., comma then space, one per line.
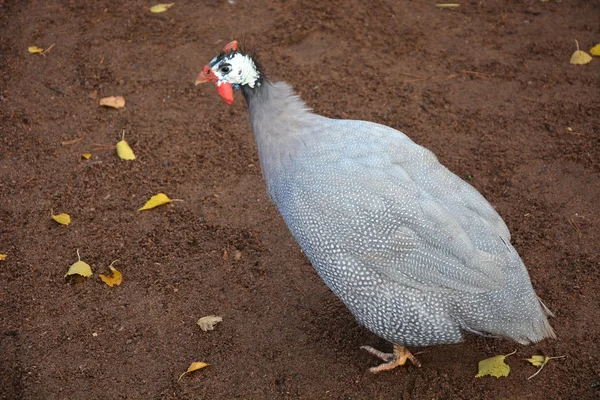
x=417, y=254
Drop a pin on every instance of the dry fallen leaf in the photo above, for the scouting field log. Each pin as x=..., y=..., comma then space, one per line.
x=447, y=5
x=194, y=367
x=208, y=323
x=113, y=101
x=580, y=57
x=539, y=361
x=72, y=141
x=158, y=8
x=35, y=50
x=63, y=219
x=494, y=366
x=3, y=256
x=87, y=156
x=123, y=150
x=116, y=277
x=155, y=201
x=595, y=51
x=79, y=268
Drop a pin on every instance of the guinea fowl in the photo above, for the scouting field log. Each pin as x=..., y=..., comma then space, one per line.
x=416, y=254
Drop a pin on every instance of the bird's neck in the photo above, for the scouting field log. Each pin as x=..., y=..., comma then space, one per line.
x=280, y=120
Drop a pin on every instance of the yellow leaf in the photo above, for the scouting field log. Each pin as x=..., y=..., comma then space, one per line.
x=87, y=156
x=3, y=256
x=79, y=268
x=63, y=219
x=123, y=150
x=208, y=323
x=113, y=101
x=538, y=361
x=580, y=57
x=595, y=51
x=158, y=8
x=155, y=201
x=194, y=367
x=116, y=277
x=35, y=50
x=494, y=366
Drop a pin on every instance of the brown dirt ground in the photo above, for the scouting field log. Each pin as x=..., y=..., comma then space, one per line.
x=488, y=87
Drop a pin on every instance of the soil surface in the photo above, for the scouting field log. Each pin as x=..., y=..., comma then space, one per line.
x=487, y=86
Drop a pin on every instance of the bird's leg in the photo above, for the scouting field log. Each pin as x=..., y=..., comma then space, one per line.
x=392, y=360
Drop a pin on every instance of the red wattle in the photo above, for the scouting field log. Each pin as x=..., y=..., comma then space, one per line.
x=225, y=91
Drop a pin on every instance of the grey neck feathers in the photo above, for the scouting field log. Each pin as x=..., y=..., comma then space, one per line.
x=280, y=120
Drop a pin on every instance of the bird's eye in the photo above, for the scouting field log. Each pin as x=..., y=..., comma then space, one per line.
x=225, y=69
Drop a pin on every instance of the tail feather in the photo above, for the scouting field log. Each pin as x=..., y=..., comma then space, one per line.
x=546, y=309
x=540, y=328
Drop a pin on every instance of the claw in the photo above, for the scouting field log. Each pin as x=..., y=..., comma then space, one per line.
x=392, y=360
x=387, y=357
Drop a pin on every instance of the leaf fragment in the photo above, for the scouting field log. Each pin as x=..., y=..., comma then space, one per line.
x=494, y=366
x=3, y=256
x=113, y=101
x=595, y=51
x=63, y=219
x=540, y=361
x=155, y=201
x=87, y=156
x=35, y=50
x=79, y=268
x=208, y=323
x=580, y=57
x=116, y=277
x=447, y=5
x=123, y=150
x=72, y=141
x=194, y=367
x=159, y=8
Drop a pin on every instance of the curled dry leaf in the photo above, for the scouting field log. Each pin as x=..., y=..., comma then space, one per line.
x=3, y=256
x=540, y=361
x=494, y=366
x=116, y=277
x=113, y=101
x=123, y=150
x=159, y=8
x=580, y=57
x=208, y=323
x=35, y=50
x=79, y=268
x=63, y=219
x=72, y=141
x=194, y=367
x=155, y=201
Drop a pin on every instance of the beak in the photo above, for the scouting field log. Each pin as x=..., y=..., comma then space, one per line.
x=207, y=75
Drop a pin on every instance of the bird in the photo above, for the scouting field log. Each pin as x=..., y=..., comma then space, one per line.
x=417, y=254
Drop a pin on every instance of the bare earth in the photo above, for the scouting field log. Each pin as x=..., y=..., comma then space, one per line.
x=488, y=87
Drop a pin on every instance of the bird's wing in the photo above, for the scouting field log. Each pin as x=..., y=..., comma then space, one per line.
x=388, y=205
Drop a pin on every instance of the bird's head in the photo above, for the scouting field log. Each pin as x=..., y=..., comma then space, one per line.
x=231, y=69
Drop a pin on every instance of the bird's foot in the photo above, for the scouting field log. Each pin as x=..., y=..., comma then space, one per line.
x=392, y=360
